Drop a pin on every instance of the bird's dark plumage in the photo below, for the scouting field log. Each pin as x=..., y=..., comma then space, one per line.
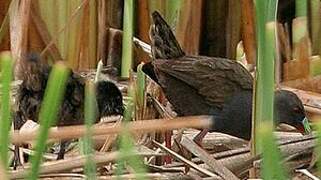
x=199, y=85
x=225, y=76
x=235, y=118
x=109, y=99
x=34, y=75
x=162, y=36
x=175, y=70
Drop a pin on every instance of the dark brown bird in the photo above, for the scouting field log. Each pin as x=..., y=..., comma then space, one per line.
x=34, y=75
x=199, y=85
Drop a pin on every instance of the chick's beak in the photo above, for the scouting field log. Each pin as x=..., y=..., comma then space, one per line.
x=304, y=126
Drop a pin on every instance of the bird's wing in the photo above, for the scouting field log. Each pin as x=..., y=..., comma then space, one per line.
x=214, y=78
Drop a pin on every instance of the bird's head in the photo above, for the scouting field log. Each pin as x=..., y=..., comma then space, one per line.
x=32, y=71
x=289, y=110
x=109, y=99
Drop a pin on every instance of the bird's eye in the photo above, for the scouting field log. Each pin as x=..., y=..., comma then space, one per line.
x=296, y=109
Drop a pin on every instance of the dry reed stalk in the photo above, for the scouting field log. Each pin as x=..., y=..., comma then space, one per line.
x=300, y=66
x=313, y=110
x=188, y=31
x=88, y=37
x=151, y=176
x=84, y=36
x=72, y=163
x=102, y=31
x=64, y=175
x=185, y=161
x=143, y=22
x=67, y=24
x=248, y=30
x=4, y=27
x=214, y=165
x=71, y=132
x=43, y=31
x=283, y=40
x=307, y=97
x=240, y=160
x=19, y=20
x=110, y=139
x=283, y=51
x=233, y=28
x=312, y=84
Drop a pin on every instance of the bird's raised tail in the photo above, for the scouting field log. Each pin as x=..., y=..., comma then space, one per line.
x=164, y=43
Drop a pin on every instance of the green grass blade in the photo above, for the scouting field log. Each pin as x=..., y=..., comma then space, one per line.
x=272, y=167
x=258, y=110
x=300, y=29
x=5, y=122
x=48, y=112
x=140, y=86
x=172, y=11
x=129, y=111
x=126, y=143
x=318, y=147
x=301, y=8
x=90, y=116
x=315, y=25
x=157, y=5
x=128, y=28
x=264, y=94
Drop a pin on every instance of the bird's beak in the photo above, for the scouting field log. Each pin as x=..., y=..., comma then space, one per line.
x=304, y=127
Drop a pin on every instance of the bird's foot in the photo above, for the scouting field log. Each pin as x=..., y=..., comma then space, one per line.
x=199, y=137
x=61, y=153
x=16, y=159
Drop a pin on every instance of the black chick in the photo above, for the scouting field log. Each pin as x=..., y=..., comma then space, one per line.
x=34, y=75
x=199, y=85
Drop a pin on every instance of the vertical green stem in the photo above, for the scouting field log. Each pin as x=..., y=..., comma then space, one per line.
x=90, y=116
x=140, y=85
x=318, y=148
x=128, y=27
x=315, y=25
x=300, y=27
x=260, y=29
x=172, y=11
x=48, y=113
x=126, y=142
x=301, y=8
x=264, y=97
x=5, y=121
x=157, y=5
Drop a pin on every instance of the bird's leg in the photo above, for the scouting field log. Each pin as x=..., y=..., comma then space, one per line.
x=181, y=149
x=200, y=136
x=17, y=124
x=16, y=158
x=61, y=153
x=168, y=144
